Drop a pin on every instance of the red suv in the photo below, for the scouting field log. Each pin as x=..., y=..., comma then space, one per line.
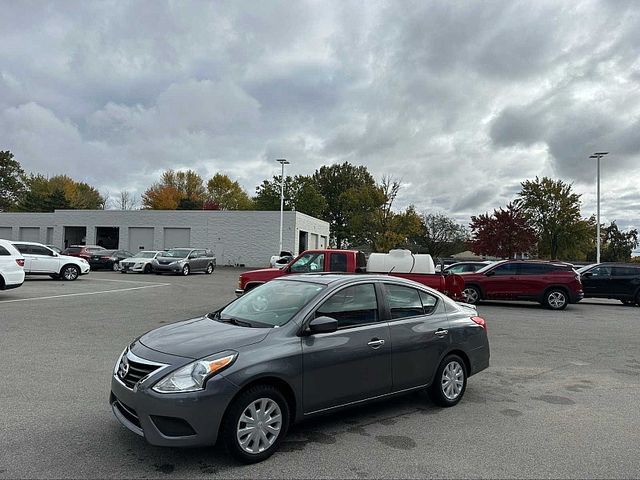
x=83, y=251
x=553, y=284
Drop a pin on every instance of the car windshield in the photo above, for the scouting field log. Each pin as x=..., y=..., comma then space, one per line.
x=270, y=305
x=177, y=253
x=488, y=267
x=585, y=268
x=145, y=254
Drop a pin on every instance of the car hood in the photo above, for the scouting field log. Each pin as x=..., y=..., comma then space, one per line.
x=137, y=260
x=173, y=259
x=200, y=337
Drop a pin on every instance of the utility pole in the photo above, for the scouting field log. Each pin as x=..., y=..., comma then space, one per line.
x=598, y=156
x=282, y=162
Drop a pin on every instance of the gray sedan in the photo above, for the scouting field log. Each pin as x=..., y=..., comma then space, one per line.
x=292, y=348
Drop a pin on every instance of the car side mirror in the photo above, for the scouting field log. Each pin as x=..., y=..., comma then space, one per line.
x=490, y=273
x=322, y=325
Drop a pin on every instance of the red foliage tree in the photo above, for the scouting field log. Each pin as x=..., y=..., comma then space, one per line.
x=502, y=234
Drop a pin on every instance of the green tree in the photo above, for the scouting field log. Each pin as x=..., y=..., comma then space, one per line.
x=300, y=194
x=617, y=246
x=227, y=194
x=554, y=211
x=352, y=196
x=12, y=181
x=441, y=236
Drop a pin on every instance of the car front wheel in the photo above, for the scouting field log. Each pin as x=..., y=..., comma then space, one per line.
x=256, y=424
x=186, y=270
x=209, y=270
x=115, y=267
x=450, y=382
x=70, y=272
x=471, y=295
x=555, y=299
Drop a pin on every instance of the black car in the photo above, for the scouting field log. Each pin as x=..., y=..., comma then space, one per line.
x=295, y=347
x=620, y=281
x=108, y=259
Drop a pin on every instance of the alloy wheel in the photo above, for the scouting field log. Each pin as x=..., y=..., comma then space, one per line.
x=452, y=381
x=556, y=299
x=259, y=425
x=471, y=295
x=70, y=273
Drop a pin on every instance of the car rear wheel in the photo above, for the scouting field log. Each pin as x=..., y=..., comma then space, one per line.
x=186, y=270
x=209, y=269
x=70, y=272
x=256, y=424
x=115, y=267
x=471, y=294
x=555, y=299
x=449, y=383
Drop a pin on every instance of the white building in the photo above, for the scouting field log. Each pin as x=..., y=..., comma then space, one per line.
x=237, y=237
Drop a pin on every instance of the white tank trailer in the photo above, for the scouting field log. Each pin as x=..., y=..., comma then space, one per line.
x=400, y=261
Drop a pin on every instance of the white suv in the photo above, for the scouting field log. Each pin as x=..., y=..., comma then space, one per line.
x=11, y=266
x=41, y=260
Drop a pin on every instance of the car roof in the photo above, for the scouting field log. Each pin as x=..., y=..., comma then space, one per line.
x=28, y=243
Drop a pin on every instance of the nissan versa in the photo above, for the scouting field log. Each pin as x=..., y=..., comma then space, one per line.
x=291, y=348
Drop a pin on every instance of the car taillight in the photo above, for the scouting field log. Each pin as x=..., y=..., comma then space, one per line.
x=480, y=321
x=20, y=262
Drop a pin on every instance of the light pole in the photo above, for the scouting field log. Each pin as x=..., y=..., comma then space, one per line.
x=598, y=156
x=282, y=162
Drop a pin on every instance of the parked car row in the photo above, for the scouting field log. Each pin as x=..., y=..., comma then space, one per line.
x=21, y=258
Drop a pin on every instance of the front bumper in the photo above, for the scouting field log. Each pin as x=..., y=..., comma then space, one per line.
x=167, y=268
x=175, y=419
x=84, y=269
x=135, y=267
x=239, y=292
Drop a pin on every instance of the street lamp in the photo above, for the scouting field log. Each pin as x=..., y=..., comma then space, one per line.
x=282, y=162
x=598, y=156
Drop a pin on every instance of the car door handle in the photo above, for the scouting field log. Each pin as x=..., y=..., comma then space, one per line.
x=441, y=332
x=375, y=343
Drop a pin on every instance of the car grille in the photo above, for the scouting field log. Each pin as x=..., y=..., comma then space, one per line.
x=164, y=262
x=130, y=372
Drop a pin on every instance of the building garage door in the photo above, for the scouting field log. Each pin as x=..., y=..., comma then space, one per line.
x=140, y=238
x=177, y=237
x=5, y=233
x=30, y=234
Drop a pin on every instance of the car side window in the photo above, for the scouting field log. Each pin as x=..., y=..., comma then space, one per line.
x=600, y=272
x=309, y=262
x=4, y=251
x=403, y=301
x=533, y=269
x=625, y=271
x=38, y=250
x=457, y=269
x=429, y=302
x=352, y=306
x=338, y=262
x=506, y=269
x=22, y=248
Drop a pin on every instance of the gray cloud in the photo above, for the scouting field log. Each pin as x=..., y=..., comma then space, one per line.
x=460, y=100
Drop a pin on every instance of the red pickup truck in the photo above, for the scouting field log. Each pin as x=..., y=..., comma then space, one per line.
x=350, y=261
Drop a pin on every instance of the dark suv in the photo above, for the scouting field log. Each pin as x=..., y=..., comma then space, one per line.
x=612, y=280
x=553, y=284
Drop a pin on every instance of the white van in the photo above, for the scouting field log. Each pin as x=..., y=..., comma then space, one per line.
x=41, y=260
x=11, y=266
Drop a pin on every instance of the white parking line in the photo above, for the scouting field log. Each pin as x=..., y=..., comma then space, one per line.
x=121, y=281
x=84, y=293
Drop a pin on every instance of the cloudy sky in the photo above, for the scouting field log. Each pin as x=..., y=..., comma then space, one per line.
x=461, y=100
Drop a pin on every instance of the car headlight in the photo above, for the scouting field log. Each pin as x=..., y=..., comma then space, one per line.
x=84, y=261
x=192, y=377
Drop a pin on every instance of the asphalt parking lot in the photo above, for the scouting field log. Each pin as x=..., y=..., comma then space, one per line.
x=559, y=400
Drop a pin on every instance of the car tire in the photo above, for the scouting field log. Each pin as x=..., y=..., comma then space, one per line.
x=186, y=270
x=449, y=383
x=69, y=273
x=115, y=267
x=556, y=299
x=239, y=436
x=471, y=294
x=147, y=268
x=209, y=269
x=628, y=302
